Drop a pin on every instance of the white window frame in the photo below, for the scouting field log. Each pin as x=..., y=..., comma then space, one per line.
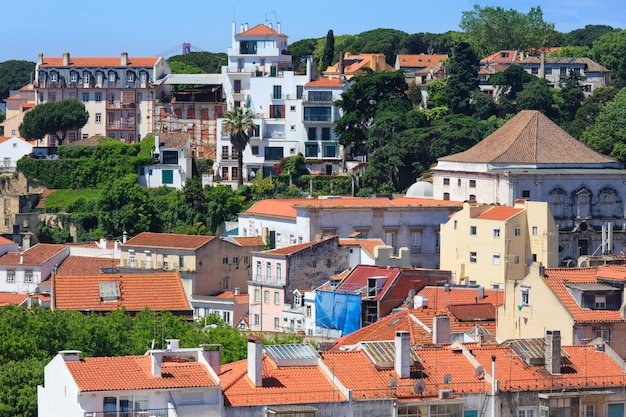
x=496, y=258
x=473, y=230
x=496, y=232
x=473, y=257
x=276, y=298
x=525, y=296
x=535, y=230
x=526, y=412
x=11, y=276
x=518, y=231
x=590, y=410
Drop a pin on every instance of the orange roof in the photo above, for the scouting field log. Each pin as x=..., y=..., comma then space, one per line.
x=100, y=61
x=420, y=60
x=158, y=291
x=135, y=372
x=290, y=250
x=7, y=298
x=325, y=82
x=248, y=240
x=85, y=265
x=440, y=298
x=281, y=385
x=35, y=256
x=499, y=213
x=5, y=241
x=260, y=30
x=169, y=240
x=367, y=244
x=557, y=278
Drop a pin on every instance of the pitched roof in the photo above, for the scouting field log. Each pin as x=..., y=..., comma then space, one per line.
x=135, y=373
x=161, y=291
x=505, y=56
x=325, y=82
x=441, y=297
x=34, y=256
x=590, y=65
x=169, y=240
x=558, y=278
x=248, y=240
x=367, y=244
x=420, y=60
x=100, y=61
x=5, y=241
x=7, y=298
x=173, y=139
x=85, y=265
x=530, y=138
x=260, y=30
x=281, y=385
x=293, y=249
x=499, y=213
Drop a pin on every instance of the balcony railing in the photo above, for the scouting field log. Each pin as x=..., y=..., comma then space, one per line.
x=151, y=412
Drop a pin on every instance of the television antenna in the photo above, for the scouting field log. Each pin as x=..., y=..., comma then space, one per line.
x=447, y=378
x=419, y=386
x=480, y=371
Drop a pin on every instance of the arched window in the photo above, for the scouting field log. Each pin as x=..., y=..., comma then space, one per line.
x=583, y=203
x=556, y=200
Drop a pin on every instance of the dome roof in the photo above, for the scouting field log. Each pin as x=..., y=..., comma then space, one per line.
x=421, y=189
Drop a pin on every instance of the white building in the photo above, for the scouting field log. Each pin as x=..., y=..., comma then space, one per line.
x=531, y=158
x=11, y=150
x=172, y=381
x=24, y=272
x=173, y=162
x=117, y=92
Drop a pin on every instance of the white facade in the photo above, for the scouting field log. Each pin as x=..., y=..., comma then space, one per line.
x=19, y=274
x=11, y=150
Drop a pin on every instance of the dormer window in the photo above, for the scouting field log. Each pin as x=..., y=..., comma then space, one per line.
x=54, y=77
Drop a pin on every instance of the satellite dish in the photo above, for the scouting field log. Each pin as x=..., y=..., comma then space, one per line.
x=529, y=262
x=393, y=383
x=480, y=371
x=410, y=296
x=419, y=386
x=447, y=378
x=583, y=264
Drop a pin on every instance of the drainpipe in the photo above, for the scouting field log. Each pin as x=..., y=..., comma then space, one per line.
x=494, y=385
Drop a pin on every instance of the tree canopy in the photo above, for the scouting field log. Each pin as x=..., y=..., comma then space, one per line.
x=238, y=124
x=14, y=75
x=54, y=118
x=462, y=79
x=206, y=61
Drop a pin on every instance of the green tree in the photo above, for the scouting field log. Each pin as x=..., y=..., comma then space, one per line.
x=608, y=50
x=589, y=110
x=208, y=62
x=571, y=95
x=237, y=124
x=586, y=36
x=462, y=79
x=608, y=133
x=14, y=75
x=54, y=118
x=491, y=29
x=329, y=50
x=300, y=51
x=536, y=95
x=511, y=81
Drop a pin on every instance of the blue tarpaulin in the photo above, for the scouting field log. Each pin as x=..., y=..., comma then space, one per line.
x=338, y=310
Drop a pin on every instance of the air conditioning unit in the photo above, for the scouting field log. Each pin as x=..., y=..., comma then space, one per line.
x=445, y=394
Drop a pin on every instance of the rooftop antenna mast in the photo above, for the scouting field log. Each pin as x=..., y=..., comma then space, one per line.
x=270, y=20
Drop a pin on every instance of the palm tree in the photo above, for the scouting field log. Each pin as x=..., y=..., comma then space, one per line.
x=237, y=123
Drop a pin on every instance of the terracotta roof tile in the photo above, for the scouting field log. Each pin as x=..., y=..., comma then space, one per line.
x=100, y=61
x=281, y=385
x=439, y=298
x=135, y=373
x=160, y=291
x=420, y=60
x=260, y=30
x=530, y=138
x=499, y=213
x=34, y=256
x=85, y=265
x=248, y=240
x=169, y=240
x=5, y=241
x=325, y=82
x=7, y=298
x=292, y=249
x=173, y=139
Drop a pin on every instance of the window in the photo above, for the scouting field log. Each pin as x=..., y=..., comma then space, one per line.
x=446, y=181
x=473, y=231
x=274, y=153
x=258, y=270
x=276, y=322
x=279, y=272
x=320, y=96
x=525, y=293
x=254, y=150
x=455, y=224
x=167, y=176
x=268, y=271
x=548, y=70
x=310, y=151
x=277, y=111
x=130, y=76
x=257, y=295
x=472, y=183
x=112, y=77
x=472, y=197
x=458, y=182
x=326, y=133
x=98, y=97
x=266, y=296
x=10, y=276
x=330, y=151
x=85, y=96
x=308, y=311
x=256, y=320
x=98, y=117
x=52, y=96
x=317, y=114
x=473, y=257
x=605, y=334
x=496, y=232
x=534, y=230
x=225, y=260
x=496, y=259
x=446, y=196
x=237, y=87
x=181, y=262
x=525, y=412
x=132, y=260
x=297, y=299
x=277, y=92
x=600, y=301
x=525, y=193
x=590, y=410
x=518, y=231
x=276, y=298
x=312, y=133
x=54, y=77
x=516, y=259
x=299, y=91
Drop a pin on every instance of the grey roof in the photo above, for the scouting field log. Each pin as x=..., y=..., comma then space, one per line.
x=591, y=286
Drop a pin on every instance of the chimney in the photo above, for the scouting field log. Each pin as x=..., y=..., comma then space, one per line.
x=278, y=27
x=172, y=344
x=481, y=292
x=245, y=26
x=270, y=25
x=255, y=360
x=66, y=59
x=124, y=236
x=213, y=355
x=70, y=355
x=402, y=359
x=21, y=258
x=553, y=351
x=157, y=360
x=236, y=290
x=124, y=59
x=441, y=329
x=40, y=58
x=103, y=242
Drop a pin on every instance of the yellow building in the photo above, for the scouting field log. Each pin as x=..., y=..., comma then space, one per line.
x=487, y=244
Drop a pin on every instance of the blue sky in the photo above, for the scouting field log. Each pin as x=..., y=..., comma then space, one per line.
x=159, y=27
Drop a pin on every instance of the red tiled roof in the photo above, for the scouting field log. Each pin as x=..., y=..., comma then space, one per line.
x=260, y=30
x=100, y=61
x=499, y=213
x=135, y=373
x=281, y=385
x=439, y=298
x=357, y=279
x=7, y=298
x=248, y=240
x=161, y=291
x=5, y=241
x=510, y=57
x=169, y=240
x=290, y=250
x=557, y=278
x=530, y=138
x=85, y=265
x=325, y=82
x=34, y=256
x=473, y=312
x=368, y=244
x=420, y=60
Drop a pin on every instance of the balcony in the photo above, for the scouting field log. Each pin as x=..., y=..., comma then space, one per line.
x=416, y=250
x=150, y=412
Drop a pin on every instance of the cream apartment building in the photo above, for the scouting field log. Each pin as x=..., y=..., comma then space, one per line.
x=488, y=245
